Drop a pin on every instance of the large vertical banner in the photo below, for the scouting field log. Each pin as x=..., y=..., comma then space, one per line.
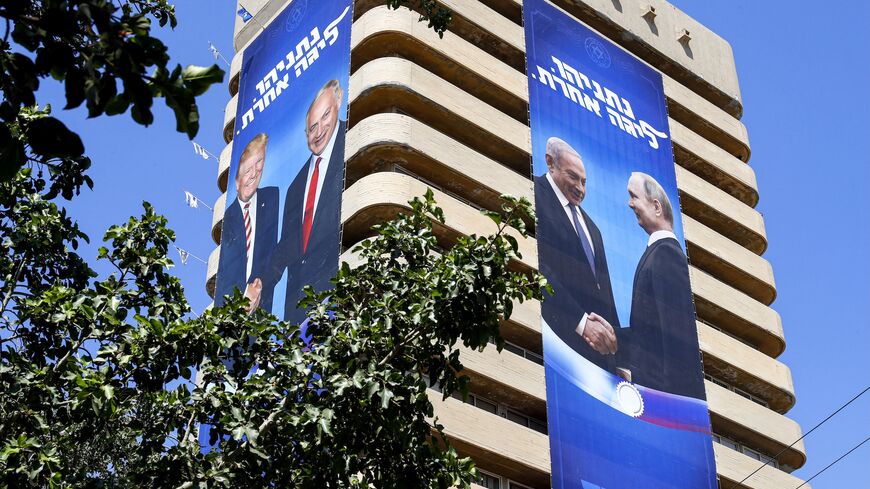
x=625, y=392
x=281, y=229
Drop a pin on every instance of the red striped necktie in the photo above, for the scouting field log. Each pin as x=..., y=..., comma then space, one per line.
x=308, y=216
x=247, y=231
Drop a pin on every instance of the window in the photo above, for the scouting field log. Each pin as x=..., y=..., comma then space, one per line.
x=736, y=390
x=514, y=349
x=516, y=485
x=481, y=403
x=517, y=418
x=488, y=481
x=535, y=357
x=754, y=454
x=727, y=442
x=538, y=426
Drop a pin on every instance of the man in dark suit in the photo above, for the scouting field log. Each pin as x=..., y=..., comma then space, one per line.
x=663, y=337
x=571, y=256
x=309, y=246
x=250, y=228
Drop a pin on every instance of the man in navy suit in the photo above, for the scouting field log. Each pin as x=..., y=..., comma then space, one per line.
x=309, y=246
x=250, y=229
x=664, y=353
x=571, y=256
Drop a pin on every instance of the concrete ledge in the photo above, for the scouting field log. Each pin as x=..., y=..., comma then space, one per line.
x=384, y=83
x=382, y=140
x=211, y=271
x=733, y=466
x=224, y=167
x=741, y=365
x=736, y=312
x=713, y=207
x=729, y=262
x=217, y=218
x=230, y=118
x=492, y=441
x=379, y=196
x=754, y=425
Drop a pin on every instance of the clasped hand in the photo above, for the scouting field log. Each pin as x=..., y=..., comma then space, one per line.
x=599, y=334
x=253, y=291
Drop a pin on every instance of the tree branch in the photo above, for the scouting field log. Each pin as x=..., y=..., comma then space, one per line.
x=13, y=283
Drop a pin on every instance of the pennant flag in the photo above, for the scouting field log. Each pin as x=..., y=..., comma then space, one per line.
x=217, y=54
x=184, y=254
x=191, y=199
x=200, y=150
x=194, y=201
x=244, y=14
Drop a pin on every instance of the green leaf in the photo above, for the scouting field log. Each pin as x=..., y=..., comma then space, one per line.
x=12, y=156
x=50, y=138
x=198, y=79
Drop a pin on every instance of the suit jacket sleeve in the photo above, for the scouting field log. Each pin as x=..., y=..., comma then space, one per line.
x=668, y=351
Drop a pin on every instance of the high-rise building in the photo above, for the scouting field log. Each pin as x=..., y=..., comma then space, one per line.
x=451, y=113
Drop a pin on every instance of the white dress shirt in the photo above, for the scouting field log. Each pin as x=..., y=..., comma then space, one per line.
x=326, y=155
x=658, y=235
x=565, y=207
x=252, y=213
x=581, y=326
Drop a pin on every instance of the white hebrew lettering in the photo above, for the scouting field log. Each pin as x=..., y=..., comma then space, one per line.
x=247, y=118
x=652, y=134
x=331, y=31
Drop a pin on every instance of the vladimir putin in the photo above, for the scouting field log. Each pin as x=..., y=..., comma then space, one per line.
x=571, y=256
x=664, y=351
x=250, y=228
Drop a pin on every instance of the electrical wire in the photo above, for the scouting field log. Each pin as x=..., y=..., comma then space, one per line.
x=834, y=462
x=802, y=437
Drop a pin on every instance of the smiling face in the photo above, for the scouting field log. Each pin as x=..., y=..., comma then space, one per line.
x=648, y=212
x=569, y=174
x=321, y=121
x=250, y=172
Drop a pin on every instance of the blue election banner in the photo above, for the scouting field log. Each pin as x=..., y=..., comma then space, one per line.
x=282, y=224
x=281, y=228
x=626, y=404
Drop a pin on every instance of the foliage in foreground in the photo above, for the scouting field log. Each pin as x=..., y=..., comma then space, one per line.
x=107, y=59
x=97, y=375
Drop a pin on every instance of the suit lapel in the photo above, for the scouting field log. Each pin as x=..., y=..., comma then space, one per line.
x=563, y=224
x=334, y=170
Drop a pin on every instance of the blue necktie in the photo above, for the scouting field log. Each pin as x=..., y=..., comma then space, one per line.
x=587, y=248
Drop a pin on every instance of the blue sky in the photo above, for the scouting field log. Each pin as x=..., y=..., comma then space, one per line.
x=804, y=72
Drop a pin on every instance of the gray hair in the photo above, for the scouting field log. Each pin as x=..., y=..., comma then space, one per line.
x=654, y=191
x=557, y=147
x=337, y=93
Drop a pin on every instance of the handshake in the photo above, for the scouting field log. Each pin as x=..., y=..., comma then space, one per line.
x=599, y=334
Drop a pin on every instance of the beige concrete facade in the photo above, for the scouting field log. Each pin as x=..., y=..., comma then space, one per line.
x=452, y=112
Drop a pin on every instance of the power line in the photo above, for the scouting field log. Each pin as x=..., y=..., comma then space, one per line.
x=802, y=437
x=834, y=462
